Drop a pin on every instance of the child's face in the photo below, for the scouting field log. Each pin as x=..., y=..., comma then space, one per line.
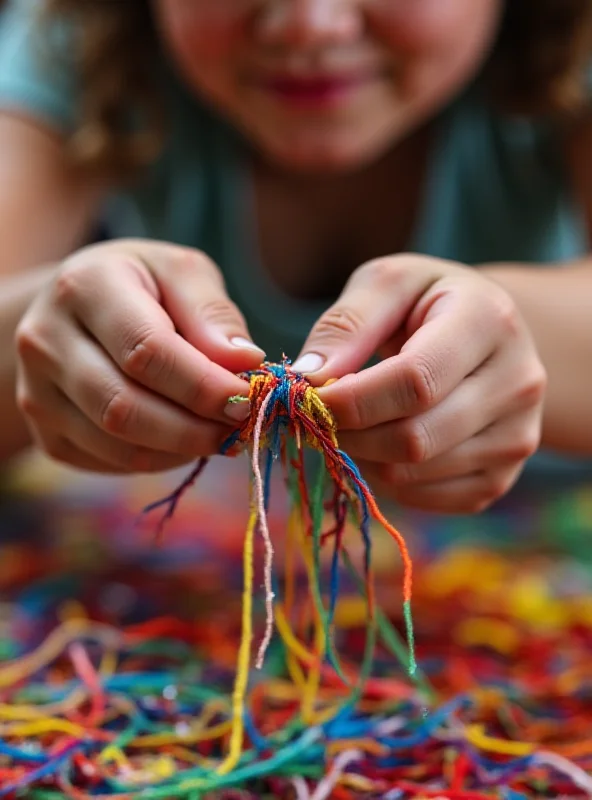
x=327, y=83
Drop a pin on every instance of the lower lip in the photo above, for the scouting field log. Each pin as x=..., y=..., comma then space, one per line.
x=321, y=93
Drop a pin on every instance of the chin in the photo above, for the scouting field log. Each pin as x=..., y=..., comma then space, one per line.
x=324, y=155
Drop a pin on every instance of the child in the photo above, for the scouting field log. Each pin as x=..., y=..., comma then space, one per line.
x=287, y=154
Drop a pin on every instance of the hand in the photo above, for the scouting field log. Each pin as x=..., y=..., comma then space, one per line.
x=127, y=360
x=446, y=421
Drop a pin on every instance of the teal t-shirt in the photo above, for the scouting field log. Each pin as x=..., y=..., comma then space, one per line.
x=496, y=187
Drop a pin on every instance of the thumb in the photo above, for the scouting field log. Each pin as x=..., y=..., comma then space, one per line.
x=194, y=295
x=374, y=305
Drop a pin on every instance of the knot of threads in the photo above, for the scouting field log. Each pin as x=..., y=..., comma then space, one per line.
x=291, y=407
x=286, y=416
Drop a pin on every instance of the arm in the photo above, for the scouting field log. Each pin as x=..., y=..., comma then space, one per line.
x=557, y=305
x=45, y=213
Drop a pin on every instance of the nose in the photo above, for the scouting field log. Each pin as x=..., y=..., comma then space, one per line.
x=309, y=22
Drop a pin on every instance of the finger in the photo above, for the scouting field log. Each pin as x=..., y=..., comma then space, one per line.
x=507, y=443
x=383, y=297
x=65, y=452
x=373, y=306
x=450, y=345
x=63, y=427
x=126, y=411
x=194, y=295
x=125, y=317
x=470, y=494
x=480, y=400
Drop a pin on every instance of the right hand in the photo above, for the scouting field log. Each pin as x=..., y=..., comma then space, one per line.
x=127, y=359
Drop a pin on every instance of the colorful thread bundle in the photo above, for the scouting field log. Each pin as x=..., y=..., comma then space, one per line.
x=502, y=707
x=286, y=414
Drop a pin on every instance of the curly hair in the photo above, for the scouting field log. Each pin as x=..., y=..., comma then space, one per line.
x=537, y=67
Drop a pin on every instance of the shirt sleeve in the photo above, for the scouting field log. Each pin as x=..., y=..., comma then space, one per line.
x=37, y=73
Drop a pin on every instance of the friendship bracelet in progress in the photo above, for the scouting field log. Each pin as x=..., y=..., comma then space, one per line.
x=327, y=701
x=286, y=414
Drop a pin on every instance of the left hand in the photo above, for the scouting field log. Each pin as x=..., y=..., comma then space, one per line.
x=446, y=421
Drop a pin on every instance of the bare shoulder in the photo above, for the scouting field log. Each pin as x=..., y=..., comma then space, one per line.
x=46, y=207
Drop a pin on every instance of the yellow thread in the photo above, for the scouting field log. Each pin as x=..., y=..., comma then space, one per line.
x=24, y=712
x=202, y=735
x=47, y=725
x=476, y=736
x=16, y=671
x=357, y=782
x=320, y=717
x=114, y=755
x=281, y=690
x=309, y=696
x=367, y=745
x=289, y=637
x=312, y=685
x=183, y=754
x=315, y=409
x=490, y=632
x=294, y=521
x=295, y=670
x=242, y=672
x=72, y=610
x=351, y=612
x=108, y=663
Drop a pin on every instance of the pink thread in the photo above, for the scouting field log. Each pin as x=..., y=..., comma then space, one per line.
x=262, y=519
x=341, y=763
x=300, y=788
x=578, y=776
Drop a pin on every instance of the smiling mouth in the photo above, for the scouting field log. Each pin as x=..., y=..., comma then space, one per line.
x=317, y=90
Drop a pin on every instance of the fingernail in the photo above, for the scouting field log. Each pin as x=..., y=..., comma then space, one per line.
x=247, y=344
x=311, y=362
x=238, y=411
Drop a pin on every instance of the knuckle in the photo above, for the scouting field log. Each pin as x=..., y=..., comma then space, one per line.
x=68, y=282
x=339, y=322
x=358, y=407
x=203, y=395
x=28, y=405
x=384, y=273
x=381, y=271
x=534, y=386
x=146, y=359
x=420, y=382
x=118, y=412
x=30, y=341
x=417, y=441
x=506, y=314
x=525, y=446
x=200, y=260
x=220, y=311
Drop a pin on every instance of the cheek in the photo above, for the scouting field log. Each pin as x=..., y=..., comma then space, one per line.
x=201, y=30
x=434, y=26
x=438, y=44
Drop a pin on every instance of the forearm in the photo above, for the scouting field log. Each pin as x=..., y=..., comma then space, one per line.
x=556, y=302
x=16, y=293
